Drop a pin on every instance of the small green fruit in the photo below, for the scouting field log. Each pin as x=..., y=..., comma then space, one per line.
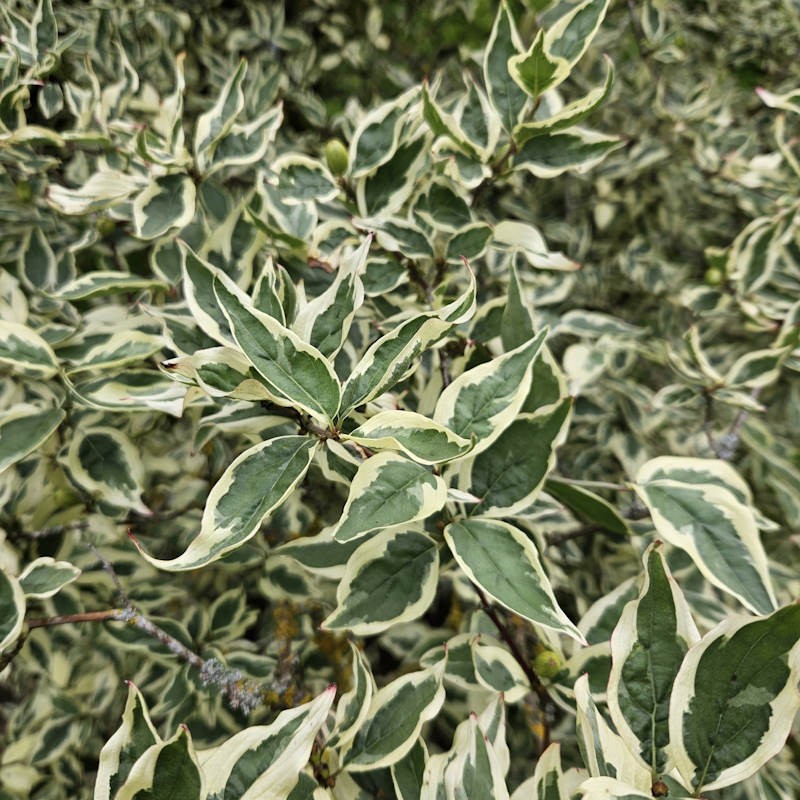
x=714, y=276
x=547, y=664
x=23, y=191
x=336, y=157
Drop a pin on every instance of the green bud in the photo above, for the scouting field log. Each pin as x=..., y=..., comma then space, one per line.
x=105, y=226
x=713, y=276
x=547, y=664
x=336, y=157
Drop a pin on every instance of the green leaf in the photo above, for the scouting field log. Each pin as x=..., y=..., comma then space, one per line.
x=408, y=772
x=571, y=35
x=605, y=788
x=389, y=490
x=387, y=189
x=325, y=321
x=25, y=352
x=134, y=736
x=95, y=284
x=509, y=475
x=571, y=114
x=647, y=648
x=389, y=359
x=517, y=323
x=264, y=761
x=504, y=93
x=215, y=123
x=292, y=369
x=37, y=262
x=321, y=554
x=247, y=143
x=547, y=782
x=353, y=706
x=735, y=698
x=497, y=670
x=256, y=483
x=198, y=287
x=713, y=526
x=485, y=400
x=116, y=350
x=469, y=243
x=537, y=70
x=588, y=506
x=413, y=434
x=301, y=178
x=45, y=576
x=165, y=771
x=24, y=430
x=102, y=190
x=502, y=560
x=396, y=716
x=105, y=463
x=444, y=124
x=551, y=154
x=12, y=610
x=166, y=203
x=390, y=579
x=134, y=390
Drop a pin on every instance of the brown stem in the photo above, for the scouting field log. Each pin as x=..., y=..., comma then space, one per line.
x=545, y=701
x=85, y=616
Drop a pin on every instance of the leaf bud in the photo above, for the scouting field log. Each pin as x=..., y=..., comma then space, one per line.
x=547, y=664
x=336, y=157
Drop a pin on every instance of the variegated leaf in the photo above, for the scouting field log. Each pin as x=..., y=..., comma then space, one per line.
x=12, y=610
x=255, y=484
x=45, y=576
x=167, y=203
x=553, y=153
x=353, y=706
x=389, y=490
x=504, y=43
x=24, y=429
x=23, y=351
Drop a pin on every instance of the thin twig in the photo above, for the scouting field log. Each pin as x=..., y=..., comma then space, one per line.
x=84, y=616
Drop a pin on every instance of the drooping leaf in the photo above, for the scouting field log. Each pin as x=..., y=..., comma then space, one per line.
x=501, y=560
x=255, y=484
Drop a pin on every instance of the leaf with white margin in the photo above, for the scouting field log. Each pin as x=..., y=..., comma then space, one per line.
x=325, y=321
x=498, y=671
x=504, y=562
x=24, y=429
x=757, y=369
x=375, y=139
x=320, y=554
x=23, y=351
x=95, y=284
x=133, y=737
x=45, y=576
x=36, y=262
x=215, y=123
x=571, y=114
x=256, y=483
x=135, y=390
x=493, y=723
x=104, y=462
x=198, y=288
x=389, y=359
x=409, y=771
x=603, y=751
x=389, y=490
x=353, y=706
x=12, y=610
x=167, y=202
x=715, y=528
x=415, y=435
x=120, y=348
x=547, y=781
x=474, y=771
x=103, y=189
x=485, y=400
x=247, y=143
x=605, y=788
x=263, y=762
x=504, y=94
x=526, y=239
x=291, y=369
x=552, y=154
x=571, y=35
x=647, y=649
x=390, y=579
x=165, y=771
x=300, y=178
x=536, y=70
x=509, y=475
x=735, y=698
x=396, y=716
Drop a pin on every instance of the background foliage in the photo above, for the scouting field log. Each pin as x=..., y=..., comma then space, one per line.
x=145, y=148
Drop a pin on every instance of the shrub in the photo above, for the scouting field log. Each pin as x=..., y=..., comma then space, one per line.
x=425, y=407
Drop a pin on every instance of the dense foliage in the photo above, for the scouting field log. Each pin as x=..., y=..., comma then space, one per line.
x=401, y=398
